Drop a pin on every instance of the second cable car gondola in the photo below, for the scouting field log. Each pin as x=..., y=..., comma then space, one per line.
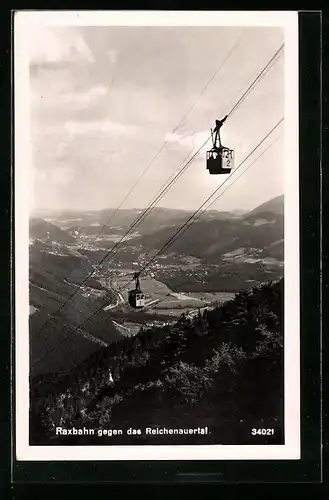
x=136, y=297
x=219, y=157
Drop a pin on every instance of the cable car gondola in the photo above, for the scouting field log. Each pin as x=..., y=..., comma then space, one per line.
x=219, y=158
x=136, y=297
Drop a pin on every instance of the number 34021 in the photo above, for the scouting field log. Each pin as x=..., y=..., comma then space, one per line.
x=262, y=432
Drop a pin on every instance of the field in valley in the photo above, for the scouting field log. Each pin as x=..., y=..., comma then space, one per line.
x=164, y=300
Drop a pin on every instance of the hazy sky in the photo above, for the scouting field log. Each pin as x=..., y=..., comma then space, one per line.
x=105, y=99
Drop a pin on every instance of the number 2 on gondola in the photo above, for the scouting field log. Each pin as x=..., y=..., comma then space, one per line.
x=227, y=158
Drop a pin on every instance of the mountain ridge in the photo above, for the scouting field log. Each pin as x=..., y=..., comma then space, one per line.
x=211, y=239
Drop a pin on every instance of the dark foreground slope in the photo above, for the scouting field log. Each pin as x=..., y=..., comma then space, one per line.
x=222, y=370
x=56, y=343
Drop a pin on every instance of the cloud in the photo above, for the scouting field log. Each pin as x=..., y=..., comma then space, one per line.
x=188, y=141
x=59, y=104
x=56, y=175
x=48, y=46
x=97, y=126
x=84, y=98
x=62, y=175
x=112, y=55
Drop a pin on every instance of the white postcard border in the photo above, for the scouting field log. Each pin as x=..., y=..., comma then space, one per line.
x=23, y=22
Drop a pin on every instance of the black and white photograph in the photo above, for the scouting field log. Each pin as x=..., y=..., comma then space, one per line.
x=156, y=235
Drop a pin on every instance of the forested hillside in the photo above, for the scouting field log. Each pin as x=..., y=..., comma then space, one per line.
x=223, y=370
x=55, y=342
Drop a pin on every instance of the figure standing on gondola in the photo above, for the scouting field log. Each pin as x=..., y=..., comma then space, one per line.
x=216, y=133
x=219, y=158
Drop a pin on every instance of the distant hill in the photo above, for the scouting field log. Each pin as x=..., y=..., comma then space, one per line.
x=91, y=221
x=257, y=231
x=238, y=211
x=41, y=229
x=273, y=206
x=111, y=221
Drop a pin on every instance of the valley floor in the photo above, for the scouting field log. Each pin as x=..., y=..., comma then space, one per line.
x=163, y=305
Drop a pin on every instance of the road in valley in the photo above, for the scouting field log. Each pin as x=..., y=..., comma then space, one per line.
x=110, y=284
